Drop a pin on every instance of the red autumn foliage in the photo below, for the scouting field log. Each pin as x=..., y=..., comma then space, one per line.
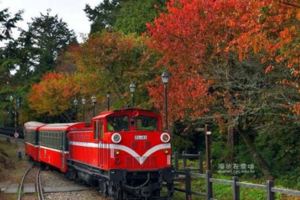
x=193, y=32
x=187, y=94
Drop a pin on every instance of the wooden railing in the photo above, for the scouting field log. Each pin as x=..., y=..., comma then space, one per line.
x=186, y=176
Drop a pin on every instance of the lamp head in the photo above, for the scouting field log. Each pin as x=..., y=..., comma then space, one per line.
x=94, y=99
x=83, y=100
x=132, y=87
x=165, y=77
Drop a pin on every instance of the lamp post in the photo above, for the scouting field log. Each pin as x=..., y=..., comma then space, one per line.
x=11, y=99
x=94, y=101
x=18, y=104
x=108, y=100
x=83, y=101
x=132, y=90
x=75, y=102
x=165, y=79
x=208, y=147
x=14, y=108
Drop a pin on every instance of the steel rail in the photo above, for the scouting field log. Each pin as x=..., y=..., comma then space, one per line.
x=38, y=185
x=21, y=185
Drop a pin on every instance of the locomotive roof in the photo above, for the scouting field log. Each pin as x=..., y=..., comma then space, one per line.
x=126, y=111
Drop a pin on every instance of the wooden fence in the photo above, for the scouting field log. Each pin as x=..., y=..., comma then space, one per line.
x=187, y=175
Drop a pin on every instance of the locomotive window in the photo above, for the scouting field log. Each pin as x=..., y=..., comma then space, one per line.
x=117, y=123
x=101, y=129
x=146, y=123
x=96, y=129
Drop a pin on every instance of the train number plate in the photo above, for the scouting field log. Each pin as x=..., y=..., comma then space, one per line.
x=140, y=137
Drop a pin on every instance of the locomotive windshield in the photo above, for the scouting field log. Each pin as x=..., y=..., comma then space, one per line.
x=146, y=123
x=118, y=123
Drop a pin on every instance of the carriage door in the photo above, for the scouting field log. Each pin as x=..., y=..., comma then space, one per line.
x=98, y=135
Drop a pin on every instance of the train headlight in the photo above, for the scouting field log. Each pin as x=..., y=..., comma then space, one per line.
x=116, y=138
x=165, y=137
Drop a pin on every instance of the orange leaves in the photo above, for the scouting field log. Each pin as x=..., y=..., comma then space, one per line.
x=269, y=69
x=287, y=34
x=192, y=34
x=298, y=15
x=296, y=108
x=276, y=34
x=53, y=94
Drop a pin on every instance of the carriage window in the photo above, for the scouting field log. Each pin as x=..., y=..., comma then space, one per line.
x=146, y=123
x=117, y=123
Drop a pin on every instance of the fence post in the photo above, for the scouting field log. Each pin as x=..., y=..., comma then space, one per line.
x=184, y=159
x=188, y=185
x=270, y=194
x=235, y=188
x=200, y=163
x=209, y=186
x=176, y=160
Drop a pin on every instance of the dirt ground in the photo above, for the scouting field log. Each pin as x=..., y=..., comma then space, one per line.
x=11, y=167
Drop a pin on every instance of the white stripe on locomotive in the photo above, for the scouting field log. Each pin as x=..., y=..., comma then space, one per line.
x=140, y=158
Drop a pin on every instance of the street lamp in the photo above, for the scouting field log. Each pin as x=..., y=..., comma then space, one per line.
x=132, y=90
x=11, y=99
x=75, y=102
x=108, y=100
x=165, y=79
x=94, y=101
x=208, y=147
x=14, y=108
x=16, y=102
x=83, y=102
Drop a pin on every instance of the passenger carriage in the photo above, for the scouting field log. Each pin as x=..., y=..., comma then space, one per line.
x=31, y=139
x=53, y=144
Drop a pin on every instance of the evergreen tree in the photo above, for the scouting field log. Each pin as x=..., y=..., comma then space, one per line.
x=7, y=23
x=46, y=37
x=134, y=15
x=104, y=15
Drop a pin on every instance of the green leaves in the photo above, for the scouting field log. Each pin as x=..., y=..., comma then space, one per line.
x=103, y=16
x=128, y=16
x=134, y=15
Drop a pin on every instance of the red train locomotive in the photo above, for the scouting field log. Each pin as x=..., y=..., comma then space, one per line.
x=124, y=152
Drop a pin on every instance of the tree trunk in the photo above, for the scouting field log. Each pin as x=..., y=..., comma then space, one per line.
x=230, y=144
x=260, y=161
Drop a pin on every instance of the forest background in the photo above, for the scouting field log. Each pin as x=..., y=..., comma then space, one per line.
x=234, y=65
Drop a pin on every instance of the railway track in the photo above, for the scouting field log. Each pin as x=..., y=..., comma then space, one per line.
x=38, y=184
x=65, y=188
